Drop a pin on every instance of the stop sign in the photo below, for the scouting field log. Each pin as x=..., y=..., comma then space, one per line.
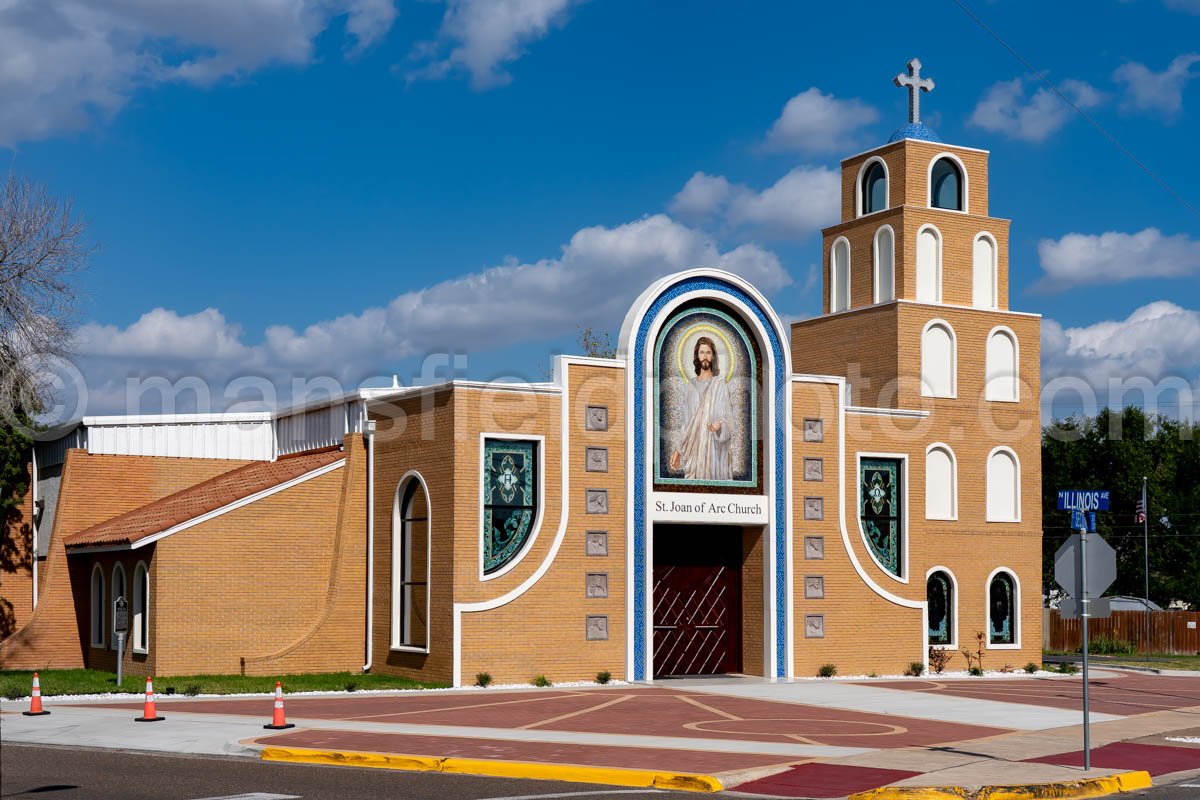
x=1101, y=566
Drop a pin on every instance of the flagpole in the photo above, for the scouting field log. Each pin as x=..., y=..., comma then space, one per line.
x=1146, y=556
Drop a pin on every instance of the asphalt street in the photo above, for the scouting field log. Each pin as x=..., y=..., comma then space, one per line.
x=1183, y=790
x=71, y=774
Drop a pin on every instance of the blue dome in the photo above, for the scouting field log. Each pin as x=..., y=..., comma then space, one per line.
x=915, y=130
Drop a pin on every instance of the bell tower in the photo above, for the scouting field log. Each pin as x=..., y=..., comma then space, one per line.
x=914, y=247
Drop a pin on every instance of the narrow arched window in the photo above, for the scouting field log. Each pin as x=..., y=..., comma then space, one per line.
x=881, y=510
x=1002, y=609
x=939, y=593
x=929, y=265
x=97, y=609
x=118, y=591
x=1003, y=487
x=410, y=567
x=140, y=619
x=941, y=484
x=874, y=188
x=885, y=265
x=839, y=299
x=938, y=361
x=946, y=185
x=1002, y=367
x=983, y=272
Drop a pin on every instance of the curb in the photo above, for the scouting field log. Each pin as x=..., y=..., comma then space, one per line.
x=1089, y=787
x=615, y=776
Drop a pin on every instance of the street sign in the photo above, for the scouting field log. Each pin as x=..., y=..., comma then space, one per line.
x=121, y=616
x=1098, y=608
x=1101, y=566
x=1083, y=500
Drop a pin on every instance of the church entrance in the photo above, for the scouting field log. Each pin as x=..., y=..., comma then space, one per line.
x=698, y=608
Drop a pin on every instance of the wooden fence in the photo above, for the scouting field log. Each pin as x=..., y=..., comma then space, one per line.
x=1172, y=632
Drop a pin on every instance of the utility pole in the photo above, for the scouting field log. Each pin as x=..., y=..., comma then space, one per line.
x=1146, y=556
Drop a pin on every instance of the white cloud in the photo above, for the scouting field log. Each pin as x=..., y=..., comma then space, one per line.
x=482, y=35
x=1157, y=92
x=1157, y=345
x=64, y=64
x=1006, y=108
x=597, y=276
x=820, y=123
x=1078, y=259
x=798, y=204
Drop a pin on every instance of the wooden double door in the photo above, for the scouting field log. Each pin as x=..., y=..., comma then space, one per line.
x=697, y=600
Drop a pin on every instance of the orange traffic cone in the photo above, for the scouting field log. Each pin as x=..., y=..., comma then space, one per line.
x=278, y=722
x=35, y=702
x=148, y=712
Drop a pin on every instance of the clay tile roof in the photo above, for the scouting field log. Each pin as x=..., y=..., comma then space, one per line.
x=202, y=498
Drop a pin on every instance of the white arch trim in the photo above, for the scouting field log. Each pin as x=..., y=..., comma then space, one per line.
x=953, y=606
x=397, y=531
x=1016, y=376
x=858, y=186
x=144, y=646
x=994, y=303
x=875, y=265
x=941, y=323
x=862, y=534
x=1016, y=482
x=97, y=626
x=937, y=265
x=834, y=284
x=987, y=609
x=962, y=172
x=112, y=601
x=541, y=497
x=953, y=478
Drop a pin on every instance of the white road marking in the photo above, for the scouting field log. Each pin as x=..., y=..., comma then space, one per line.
x=254, y=796
x=576, y=794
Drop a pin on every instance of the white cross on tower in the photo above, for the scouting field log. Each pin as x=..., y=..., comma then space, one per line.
x=916, y=84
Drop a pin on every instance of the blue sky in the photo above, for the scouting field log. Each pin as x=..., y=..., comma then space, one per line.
x=294, y=188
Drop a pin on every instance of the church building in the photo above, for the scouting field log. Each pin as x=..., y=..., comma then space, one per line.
x=729, y=494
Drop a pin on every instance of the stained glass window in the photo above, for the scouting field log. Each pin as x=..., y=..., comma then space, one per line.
x=1002, y=626
x=510, y=498
x=880, y=509
x=939, y=591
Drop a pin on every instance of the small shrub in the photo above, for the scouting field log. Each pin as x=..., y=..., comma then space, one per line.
x=14, y=693
x=1067, y=668
x=1107, y=646
x=873, y=674
x=192, y=690
x=827, y=671
x=976, y=672
x=975, y=659
x=938, y=659
x=915, y=669
x=604, y=676
x=483, y=679
x=541, y=680
x=170, y=690
x=1031, y=667
x=351, y=686
x=1007, y=669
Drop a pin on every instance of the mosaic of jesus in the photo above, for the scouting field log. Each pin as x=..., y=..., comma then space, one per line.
x=705, y=401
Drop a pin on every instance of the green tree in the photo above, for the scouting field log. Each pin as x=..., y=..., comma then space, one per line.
x=1113, y=451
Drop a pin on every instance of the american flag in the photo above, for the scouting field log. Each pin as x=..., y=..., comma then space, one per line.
x=1139, y=513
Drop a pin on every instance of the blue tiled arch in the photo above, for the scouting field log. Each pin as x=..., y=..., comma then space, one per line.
x=778, y=427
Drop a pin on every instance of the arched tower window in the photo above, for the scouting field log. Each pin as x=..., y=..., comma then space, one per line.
x=1003, y=602
x=939, y=592
x=941, y=483
x=118, y=590
x=97, y=606
x=140, y=619
x=938, y=360
x=983, y=272
x=1002, y=366
x=1003, y=486
x=839, y=299
x=929, y=265
x=410, y=567
x=885, y=265
x=945, y=185
x=874, y=188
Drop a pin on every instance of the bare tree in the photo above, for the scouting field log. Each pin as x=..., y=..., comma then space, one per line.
x=597, y=344
x=41, y=248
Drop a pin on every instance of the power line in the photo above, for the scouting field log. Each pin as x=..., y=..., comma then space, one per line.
x=1116, y=143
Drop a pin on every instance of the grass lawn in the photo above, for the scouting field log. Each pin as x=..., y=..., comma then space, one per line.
x=1157, y=662
x=17, y=683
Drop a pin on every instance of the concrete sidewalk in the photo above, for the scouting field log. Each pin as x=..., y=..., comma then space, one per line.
x=800, y=739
